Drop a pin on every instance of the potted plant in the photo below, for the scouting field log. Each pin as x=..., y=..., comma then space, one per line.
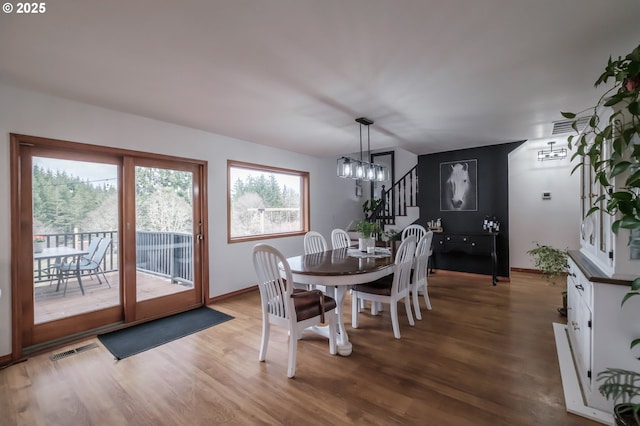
x=369, y=206
x=552, y=262
x=616, y=118
x=367, y=231
x=38, y=243
x=621, y=386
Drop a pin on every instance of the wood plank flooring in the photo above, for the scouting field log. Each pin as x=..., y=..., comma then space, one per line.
x=484, y=355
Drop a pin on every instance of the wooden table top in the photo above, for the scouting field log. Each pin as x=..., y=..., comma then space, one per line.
x=336, y=262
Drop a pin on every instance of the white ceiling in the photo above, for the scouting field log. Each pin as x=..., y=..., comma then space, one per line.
x=434, y=75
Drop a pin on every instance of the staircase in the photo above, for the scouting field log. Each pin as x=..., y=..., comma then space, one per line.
x=399, y=205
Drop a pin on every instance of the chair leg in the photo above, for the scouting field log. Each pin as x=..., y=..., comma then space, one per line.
x=104, y=276
x=416, y=304
x=293, y=345
x=265, y=340
x=354, y=309
x=394, y=319
x=407, y=307
x=427, y=301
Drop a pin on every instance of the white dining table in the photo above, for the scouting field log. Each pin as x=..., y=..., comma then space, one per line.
x=63, y=253
x=337, y=270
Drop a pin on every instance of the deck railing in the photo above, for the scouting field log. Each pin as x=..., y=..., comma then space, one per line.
x=166, y=254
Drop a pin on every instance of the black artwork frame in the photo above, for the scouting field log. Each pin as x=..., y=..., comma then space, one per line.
x=459, y=186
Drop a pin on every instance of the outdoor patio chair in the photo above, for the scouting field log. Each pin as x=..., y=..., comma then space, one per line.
x=91, y=249
x=53, y=271
x=92, y=266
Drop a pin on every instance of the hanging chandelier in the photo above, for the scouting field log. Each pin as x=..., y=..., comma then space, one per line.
x=358, y=168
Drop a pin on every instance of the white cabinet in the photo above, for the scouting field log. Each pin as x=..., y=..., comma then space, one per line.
x=600, y=331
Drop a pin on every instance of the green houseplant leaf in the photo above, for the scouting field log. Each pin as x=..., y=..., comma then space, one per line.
x=552, y=262
x=367, y=229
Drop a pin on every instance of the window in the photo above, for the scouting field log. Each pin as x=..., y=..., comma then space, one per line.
x=265, y=202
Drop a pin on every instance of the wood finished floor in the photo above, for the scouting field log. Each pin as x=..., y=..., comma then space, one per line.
x=483, y=356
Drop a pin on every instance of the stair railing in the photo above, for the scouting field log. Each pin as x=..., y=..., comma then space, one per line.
x=395, y=201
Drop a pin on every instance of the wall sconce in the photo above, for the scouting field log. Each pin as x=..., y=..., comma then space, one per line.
x=552, y=154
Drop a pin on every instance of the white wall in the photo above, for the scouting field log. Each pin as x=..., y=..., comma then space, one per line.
x=554, y=222
x=404, y=161
x=333, y=201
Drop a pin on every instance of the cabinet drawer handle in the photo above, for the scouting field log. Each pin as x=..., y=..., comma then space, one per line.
x=575, y=325
x=473, y=244
x=573, y=274
x=448, y=238
x=579, y=286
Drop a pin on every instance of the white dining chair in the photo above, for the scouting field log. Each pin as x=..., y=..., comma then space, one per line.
x=416, y=230
x=314, y=242
x=340, y=238
x=420, y=271
x=284, y=307
x=389, y=289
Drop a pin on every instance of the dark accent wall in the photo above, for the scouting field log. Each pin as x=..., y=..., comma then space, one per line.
x=492, y=200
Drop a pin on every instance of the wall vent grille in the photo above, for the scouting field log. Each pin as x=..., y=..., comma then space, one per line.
x=564, y=126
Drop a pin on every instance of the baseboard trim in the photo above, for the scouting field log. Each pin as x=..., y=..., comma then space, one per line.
x=469, y=274
x=573, y=399
x=232, y=294
x=527, y=270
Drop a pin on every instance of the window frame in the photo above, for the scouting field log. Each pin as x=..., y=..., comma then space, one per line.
x=304, y=200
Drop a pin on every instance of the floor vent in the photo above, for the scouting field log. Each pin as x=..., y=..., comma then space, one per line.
x=77, y=350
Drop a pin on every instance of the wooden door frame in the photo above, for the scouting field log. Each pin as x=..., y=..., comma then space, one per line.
x=21, y=246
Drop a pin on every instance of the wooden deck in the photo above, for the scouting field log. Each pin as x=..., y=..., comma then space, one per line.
x=51, y=304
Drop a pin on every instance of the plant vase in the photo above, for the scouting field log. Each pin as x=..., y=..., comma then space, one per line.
x=38, y=247
x=623, y=415
x=363, y=243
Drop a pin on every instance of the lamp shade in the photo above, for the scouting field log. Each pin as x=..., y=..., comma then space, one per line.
x=344, y=167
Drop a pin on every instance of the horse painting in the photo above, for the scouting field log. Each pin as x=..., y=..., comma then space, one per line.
x=458, y=186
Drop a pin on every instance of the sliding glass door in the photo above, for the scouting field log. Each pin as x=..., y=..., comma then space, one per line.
x=111, y=237
x=166, y=231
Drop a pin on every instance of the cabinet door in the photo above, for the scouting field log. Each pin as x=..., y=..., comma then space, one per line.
x=578, y=325
x=583, y=318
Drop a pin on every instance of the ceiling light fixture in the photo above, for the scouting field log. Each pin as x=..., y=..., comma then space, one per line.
x=358, y=168
x=552, y=154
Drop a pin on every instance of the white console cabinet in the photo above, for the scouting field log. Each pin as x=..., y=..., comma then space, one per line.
x=600, y=331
